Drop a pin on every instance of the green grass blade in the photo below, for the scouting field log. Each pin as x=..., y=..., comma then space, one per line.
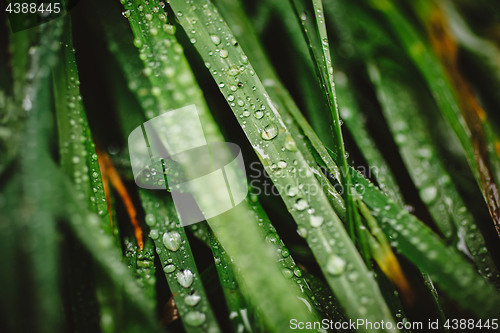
x=241, y=312
x=429, y=175
x=324, y=63
x=267, y=135
x=164, y=223
x=269, y=290
x=446, y=99
x=178, y=263
x=35, y=284
x=73, y=135
x=419, y=244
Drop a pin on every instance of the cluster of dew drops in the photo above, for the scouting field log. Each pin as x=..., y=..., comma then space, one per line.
x=173, y=242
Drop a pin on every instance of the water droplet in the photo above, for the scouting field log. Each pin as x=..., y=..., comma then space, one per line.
x=137, y=42
x=428, y=194
x=76, y=159
x=290, y=144
x=297, y=272
x=169, y=268
x=192, y=300
x=194, y=318
x=301, y=204
x=258, y=114
x=223, y=53
x=287, y=272
x=293, y=191
x=282, y=164
x=185, y=278
x=154, y=234
x=150, y=220
x=169, y=29
x=316, y=221
x=335, y=265
x=155, y=91
x=215, y=39
x=269, y=132
x=302, y=232
x=172, y=240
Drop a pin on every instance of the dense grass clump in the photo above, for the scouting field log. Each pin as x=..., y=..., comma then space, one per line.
x=370, y=141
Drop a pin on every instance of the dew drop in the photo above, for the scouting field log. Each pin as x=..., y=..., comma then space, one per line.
x=293, y=191
x=137, y=42
x=302, y=232
x=194, y=318
x=301, y=204
x=154, y=234
x=192, y=300
x=169, y=268
x=169, y=29
x=215, y=39
x=269, y=132
x=428, y=194
x=282, y=164
x=335, y=265
x=150, y=220
x=287, y=273
x=258, y=114
x=172, y=240
x=290, y=144
x=316, y=221
x=185, y=278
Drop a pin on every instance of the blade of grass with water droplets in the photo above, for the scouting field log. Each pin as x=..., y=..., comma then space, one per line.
x=470, y=136
x=320, y=53
x=236, y=18
x=267, y=136
x=169, y=238
x=242, y=313
x=269, y=290
x=75, y=157
x=436, y=190
x=30, y=251
x=420, y=245
x=178, y=263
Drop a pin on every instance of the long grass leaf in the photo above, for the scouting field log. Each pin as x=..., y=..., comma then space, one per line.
x=268, y=290
x=267, y=134
x=471, y=137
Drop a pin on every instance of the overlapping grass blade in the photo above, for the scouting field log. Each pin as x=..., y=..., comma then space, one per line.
x=470, y=136
x=75, y=156
x=371, y=197
x=242, y=314
x=169, y=237
x=268, y=134
x=429, y=175
x=274, y=296
x=35, y=284
x=324, y=69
